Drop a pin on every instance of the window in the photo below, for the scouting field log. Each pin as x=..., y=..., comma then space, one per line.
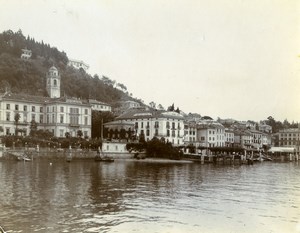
x=17, y=107
x=33, y=108
x=7, y=106
x=173, y=133
x=61, y=109
x=53, y=118
x=7, y=131
x=8, y=116
x=142, y=124
x=61, y=118
x=85, y=120
x=41, y=109
x=33, y=117
x=25, y=108
x=61, y=132
x=41, y=118
x=168, y=133
x=86, y=111
x=147, y=132
x=55, y=82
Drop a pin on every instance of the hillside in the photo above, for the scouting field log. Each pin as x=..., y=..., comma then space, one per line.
x=29, y=76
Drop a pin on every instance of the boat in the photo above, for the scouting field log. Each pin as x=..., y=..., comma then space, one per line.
x=23, y=157
x=103, y=158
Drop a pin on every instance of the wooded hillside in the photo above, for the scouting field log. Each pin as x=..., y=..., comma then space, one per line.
x=29, y=76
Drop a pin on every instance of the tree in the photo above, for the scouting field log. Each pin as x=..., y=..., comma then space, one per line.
x=33, y=128
x=17, y=118
x=79, y=133
x=171, y=108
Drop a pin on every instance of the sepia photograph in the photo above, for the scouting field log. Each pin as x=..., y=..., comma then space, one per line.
x=151, y=116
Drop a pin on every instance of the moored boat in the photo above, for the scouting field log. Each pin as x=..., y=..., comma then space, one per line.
x=23, y=157
x=100, y=157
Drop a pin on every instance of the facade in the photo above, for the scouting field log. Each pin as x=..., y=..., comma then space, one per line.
x=100, y=106
x=210, y=134
x=26, y=54
x=229, y=137
x=78, y=64
x=56, y=114
x=204, y=133
x=290, y=138
x=242, y=139
x=155, y=123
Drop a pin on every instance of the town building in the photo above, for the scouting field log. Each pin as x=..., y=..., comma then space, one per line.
x=242, y=139
x=78, y=64
x=100, y=106
x=148, y=124
x=59, y=115
x=229, y=137
x=204, y=133
x=290, y=138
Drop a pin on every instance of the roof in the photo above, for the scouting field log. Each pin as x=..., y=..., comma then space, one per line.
x=142, y=113
x=40, y=99
x=53, y=68
x=91, y=101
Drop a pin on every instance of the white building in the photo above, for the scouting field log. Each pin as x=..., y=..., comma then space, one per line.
x=229, y=137
x=210, y=133
x=78, y=64
x=26, y=54
x=56, y=114
x=100, y=106
x=155, y=123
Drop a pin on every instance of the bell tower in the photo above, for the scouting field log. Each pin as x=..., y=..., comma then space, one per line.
x=53, y=83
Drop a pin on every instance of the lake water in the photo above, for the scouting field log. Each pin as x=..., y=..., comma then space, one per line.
x=140, y=196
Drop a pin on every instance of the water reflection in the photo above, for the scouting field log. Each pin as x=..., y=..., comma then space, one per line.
x=135, y=196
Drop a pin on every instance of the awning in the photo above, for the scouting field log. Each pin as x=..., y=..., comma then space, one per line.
x=282, y=149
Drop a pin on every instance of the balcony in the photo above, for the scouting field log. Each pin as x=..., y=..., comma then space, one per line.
x=74, y=125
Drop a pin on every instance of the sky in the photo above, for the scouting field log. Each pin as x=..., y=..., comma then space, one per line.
x=235, y=59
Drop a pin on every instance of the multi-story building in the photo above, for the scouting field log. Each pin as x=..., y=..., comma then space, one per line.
x=290, y=138
x=190, y=133
x=78, y=64
x=26, y=54
x=155, y=123
x=229, y=137
x=242, y=139
x=59, y=115
x=100, y=106
x=210, y=134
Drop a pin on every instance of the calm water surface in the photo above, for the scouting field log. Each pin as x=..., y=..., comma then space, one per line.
x=139, y=196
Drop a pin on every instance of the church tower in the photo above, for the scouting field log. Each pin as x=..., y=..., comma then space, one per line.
x=53, y=83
